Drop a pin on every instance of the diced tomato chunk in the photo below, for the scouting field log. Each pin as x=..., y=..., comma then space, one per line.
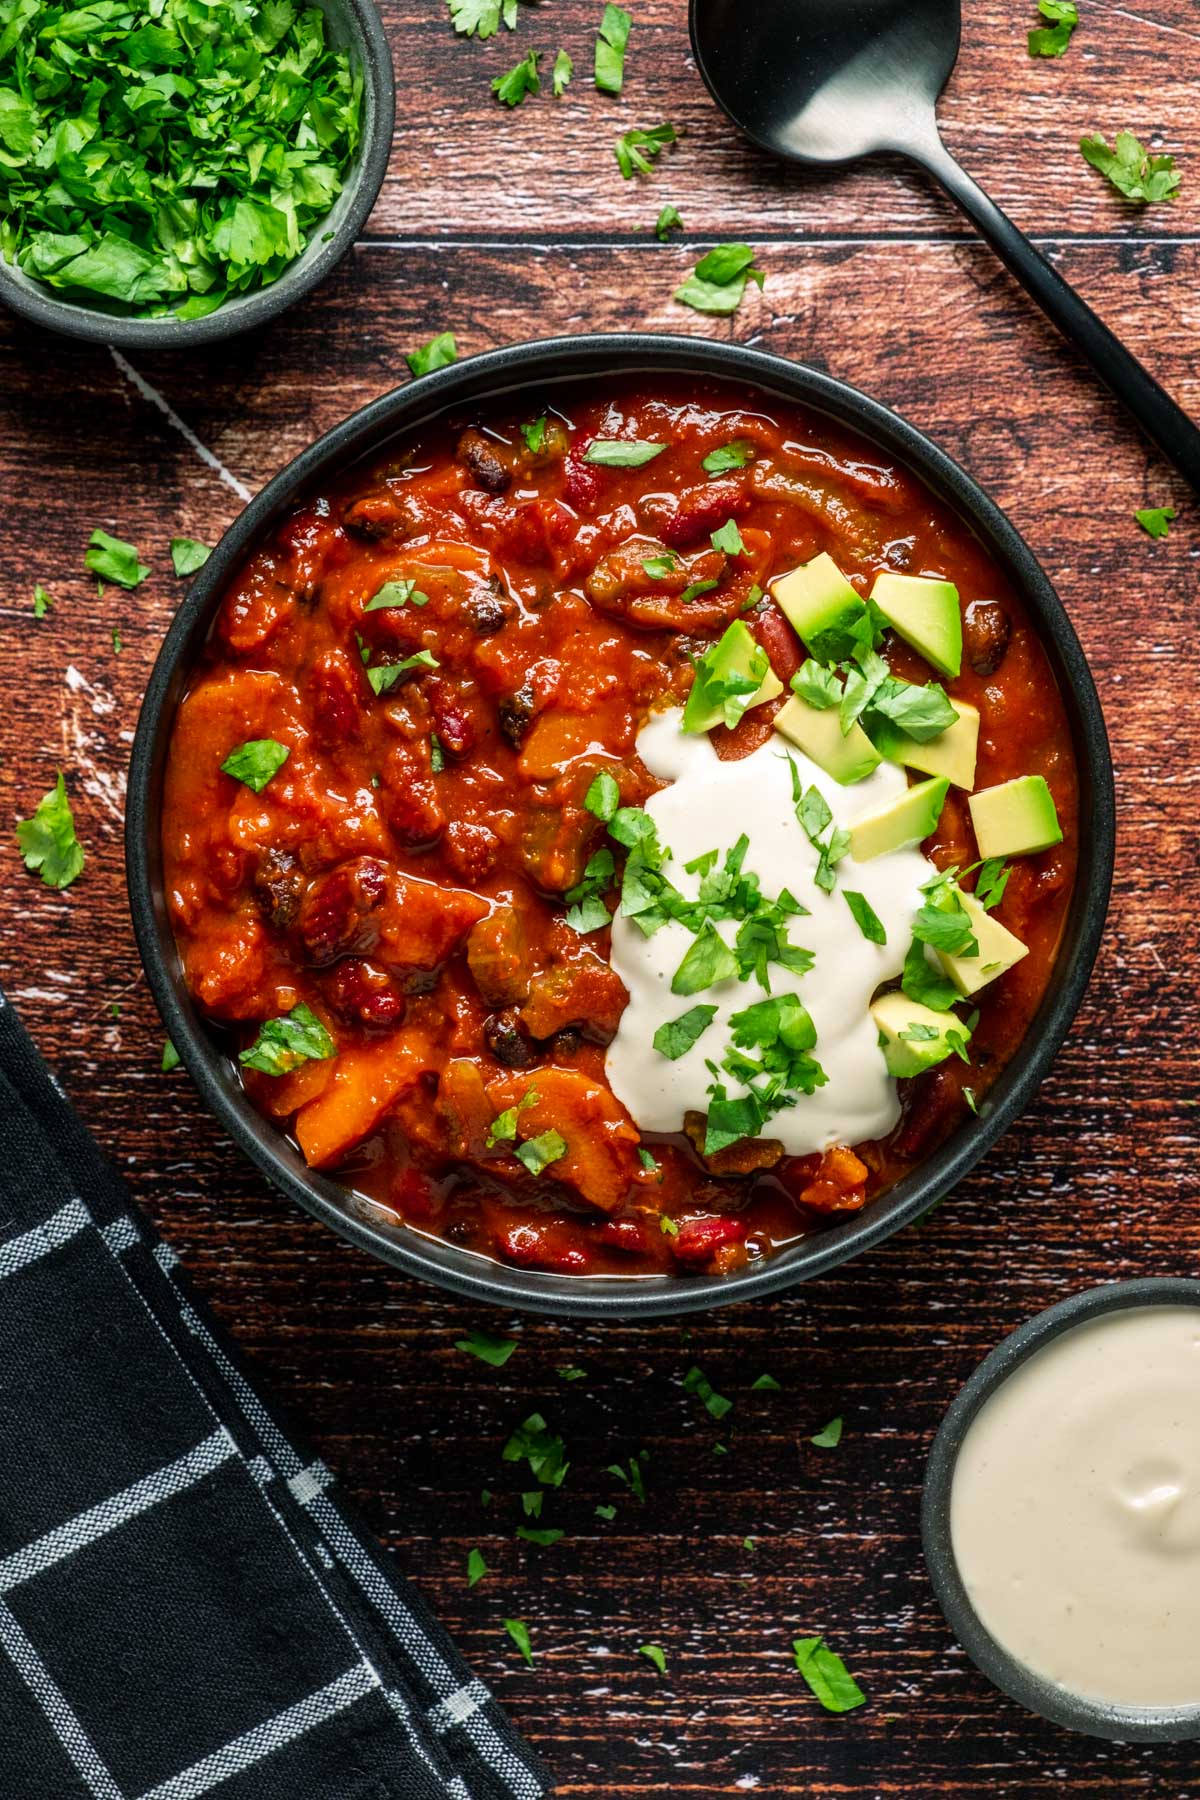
x=541, y=1246
x=699, y=1240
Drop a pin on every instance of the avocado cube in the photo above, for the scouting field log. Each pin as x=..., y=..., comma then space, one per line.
x=907, y=820
x=823, y=607
x=737, y=653
x=819, y=735
x=926, y=614
x=998, y=951
x=914, y=1037
x=951, y=754
x=1016, y=818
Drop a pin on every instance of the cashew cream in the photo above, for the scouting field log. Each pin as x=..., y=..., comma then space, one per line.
x=1075, y=1509
x=708, y=806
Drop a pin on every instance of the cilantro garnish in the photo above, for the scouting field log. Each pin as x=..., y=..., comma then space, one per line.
x=561, y=74
x=531, y=1503
x=438, y=353
x=636, y=149
x=607, y=1513
x=943, y=922
x=159, y=156
x=694, y=590
x=653, y=1654
x=827, y=1675
x=48, y=842
x=728, y=675
x=865, y=917
x=829, y=1435
x=483, y=18
x=922, y=982
x=923, y=712
x=42, y=602
x=817, y=686
x=968, y=1095
x=535, y=434
x=765, y=1384
x=522, y=79
x=112, y=559
x=544, y=1535
x=1052, y=39
x=708, y=960
x=503, y=1128
x=586, y=910
x=396, y=593
x=696, y=1382
x=611, y=41
x=633, y=1480
x=667, y=220
x=188, y=555
x=255, y=762
x=728, y=538
x=170, y=1057
x=437, y=757
x=534, y=1443
x=603, y=796
x=116, y=640
x=727, y=457
x=647, y=1159
x=659, y=567
x=1156, y=520
x=814, y=816
x=1133, y=170
x=539, y=1152
x=718, y=282
x=283, y=1044
x=476, y=1567
x=677, y=1037
x=991, y=882
x=518, y=1631
x=667, y=1226
x=384, y=676
x=621, y=453
x=567, y=1372
x=495, y=1351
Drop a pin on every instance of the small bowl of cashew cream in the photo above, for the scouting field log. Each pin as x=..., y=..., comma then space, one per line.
x=1061, y=1514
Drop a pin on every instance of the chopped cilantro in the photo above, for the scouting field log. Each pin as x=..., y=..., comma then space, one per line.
x=531, y=1503
x=495, y=1351
x=633, y=1480
x=586, y=910
x=503, y=1128
x=718, y=282
x=567, y=1372
x=659, y=567
x=728, y=456
x=170, y=1057
x=765, y=1384
x=829, y=1435
x=968, y=1095
x=923, y=712
x=603, y=796
x=1133, y=170
x=534, y=1443
x=696, y=1382
x=667, y=1225
x=522, y=79
x=728, y=675
x=606, y=1512
x=707, y=961
x=1153, y=519
x=1052, y=39
x=621, y=453
x=668, y=220
x=384, y=676
x=42, y=602
x=991, y=882
x=437, y=757
x=654, y=1655
x=647, y=1159
x=561, y=74
x=636, y=149
x=817, y=687
x=545, y=1535
x=748, y=1543
x=729, y=539
x=283, y=1044
x=925, y=983
x=676, y=1038
x=116, y=640
x=255, y=762
x=114, y=560
x=48, y=843
x=396, y=593
x=518, y=1631
x=611, y=41
x=827, y=1675
x=483, y=18
x=694, y=590
x=865, y=917
x=476, y=1567
x=535, y=434
x=188, y=555
x=438, y=353
x=943, y=921
x=539, y=1152
x=729, y=1121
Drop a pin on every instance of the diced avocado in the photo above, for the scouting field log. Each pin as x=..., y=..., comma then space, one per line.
x=952, y=754
x=819, y=735
x=735, y=654
x=1016, y=818
x=908, y=820
x=823, y=607
x=914, y=1037
x=998, y=951
x=926, y=614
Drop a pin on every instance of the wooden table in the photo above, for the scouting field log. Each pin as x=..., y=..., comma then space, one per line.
x=504, y=227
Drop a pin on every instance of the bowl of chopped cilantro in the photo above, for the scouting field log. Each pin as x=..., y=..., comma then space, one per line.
x=175, y=171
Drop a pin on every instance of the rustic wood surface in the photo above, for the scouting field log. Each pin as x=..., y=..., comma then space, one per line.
x=505, y=228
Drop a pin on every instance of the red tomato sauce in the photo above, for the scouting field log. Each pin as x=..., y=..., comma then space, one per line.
x=403, y=873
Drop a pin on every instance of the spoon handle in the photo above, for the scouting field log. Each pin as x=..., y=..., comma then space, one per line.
x=1158, y=415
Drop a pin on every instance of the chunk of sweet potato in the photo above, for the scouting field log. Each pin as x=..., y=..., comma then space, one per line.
x=367, y=1080
x=600, y=1161
x=420, y=924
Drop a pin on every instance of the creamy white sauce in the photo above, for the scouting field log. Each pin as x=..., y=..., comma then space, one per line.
x=708, y=806
x=1075, y=1509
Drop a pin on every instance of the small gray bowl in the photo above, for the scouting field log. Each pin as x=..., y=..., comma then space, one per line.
x=353, y=24
x=1129, y=1725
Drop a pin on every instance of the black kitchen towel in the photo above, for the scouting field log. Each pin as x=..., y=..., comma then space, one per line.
x=186, y=1607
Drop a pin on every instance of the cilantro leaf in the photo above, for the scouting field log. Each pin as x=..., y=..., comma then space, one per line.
x=476, y=1567
x=1156, y=520
x=396, y=593
x=694, y=590
x=922, y=982
x=708, y=960
x=817, y=687
x=42, y=602
x=521, y=80
x=48, y=843
x=503, y=1128
x=829, y=1435
x=667, y=220
x=170, y=1057
x=677, y=1037
x=991, y=882
x=603, y=796
x=283, y=1044
x=728, y=675
x=696, y=1382
x=482, y=18
x=1052, y=39
x=619, y=453
x=438, y=353
x=188, y=555
x=922, y=712
x=384, y=676
x=586, y=909
x=1133, y=170
x=114, y=560
x=611, y=42
x=534, y=1443
x=561, y=73
x=653, y=1654
x=539, y=1152
x=729, y=1121
x=719, y=280
x=827, y=1675
x=943, y=921
x=534, y=434
x=636, y=149
x=726, y=457
x=486, y=1347
x=254, y=762
x=659, y=567
x=729, y=539
x=544, y=1535
x=865, y=917
x=765, y=1384
x=518, y=1631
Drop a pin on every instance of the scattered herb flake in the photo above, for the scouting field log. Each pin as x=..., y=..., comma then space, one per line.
x=636, y=149
x=48, y=842
x=568, y=1372
x=539, y=1152
x=438, y=353
x=991, y=882
x=255, y=762
x=437, y=757
x=865, y=917
x=533, y=1442
x=518, y=1631
x=826, y=1675
x=534, y=434
x=170, y=1057
x=116, y=640
x=531, y=1503
x=677, y=1036
x=817, y=686
x=521, y=80
x=765, y=1384
x=726, y=457
x=384, y=676
x=718, y=282
x=1133, y=170
x=42, y=601
x=545, y=1535
x=561, y=74
x=621, y=453
x=1153, y=519
x=694, y=590
x=396, y=593
x=829, y=1435
x=659, y=567
x=696, y=1382
x=188, y=555
x=1052, y=39
x=476, y=1567
x=603, y=796
x=606, y=1512
x=653, y=1654
x=283, y=1044
x=114, y=560
x=668, y=220
x=667, y=1226
x=482, y=18
x=487, y=1347
x=611, y=42
x=729, y=539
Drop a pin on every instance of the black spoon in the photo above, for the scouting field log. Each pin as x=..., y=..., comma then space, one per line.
x=828, y=81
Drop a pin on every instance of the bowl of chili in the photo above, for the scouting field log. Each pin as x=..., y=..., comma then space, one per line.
x=388, y=763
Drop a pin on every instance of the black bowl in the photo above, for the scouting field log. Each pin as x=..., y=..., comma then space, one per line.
x=540, y=366
x=354, y=24
x=1127, y=1725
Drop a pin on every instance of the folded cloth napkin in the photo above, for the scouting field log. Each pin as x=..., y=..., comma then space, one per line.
x=186, y=1606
